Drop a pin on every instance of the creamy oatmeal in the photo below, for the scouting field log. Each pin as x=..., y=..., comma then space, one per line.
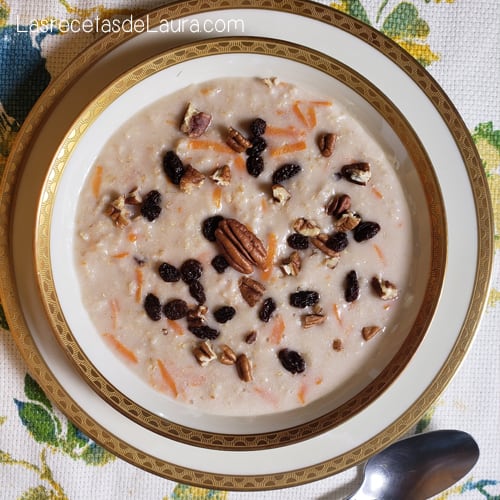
x=243, y=246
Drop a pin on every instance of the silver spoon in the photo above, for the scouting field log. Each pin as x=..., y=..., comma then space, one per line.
x=418, y=467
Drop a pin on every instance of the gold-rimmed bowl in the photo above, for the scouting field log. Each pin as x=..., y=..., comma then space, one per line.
x=140, y=87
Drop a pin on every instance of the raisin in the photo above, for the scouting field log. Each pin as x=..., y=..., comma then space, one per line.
x=175, y=309
x=209, y=226
x=292, y=361
x=285, y=172
x=266, y=309
x=150, y=207
x=258, y=127
x=168, y=272
x=152, y=306
x=224, y=314
x=219, y=263
x=258, y=146
x=197, y=291
x=173, y=167
x=366, y=230
x=191, y=270
x=337, y=241
x=204, y=332
x=255, y=165
x=304, y=298
x=298, y=241
x=351, y=292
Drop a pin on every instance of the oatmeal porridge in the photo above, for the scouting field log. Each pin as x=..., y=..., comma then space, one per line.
x=243, y=246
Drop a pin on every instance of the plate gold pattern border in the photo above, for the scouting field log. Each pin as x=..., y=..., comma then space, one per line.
x=288, y=435
x=53, y=387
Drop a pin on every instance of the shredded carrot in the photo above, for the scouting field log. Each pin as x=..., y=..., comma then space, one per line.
x=122, y=349
x=311, y=117
x=274, y=131
x=176, y=327
x=217, y=196
x=132, y=237
x=218, y=147
x=278, y=330
x=336, y=312
x=379, y=252
x=289, y=148
x=301, y=394
x=272, y=246
x=206, y=90
x=172, y=122
x=321, y=103
x=318, y=380
x=167, y=377
x=115, y=308
x=266, y=395
x=240, y=164
x=298, y=113
x=263, y=204
x=387, y=307
x=97, y=181
x=120, y=255
x=377, y=193
x=139, y=278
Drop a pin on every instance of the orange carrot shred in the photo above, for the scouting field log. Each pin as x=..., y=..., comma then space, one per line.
x=298, y=113
x=139, y=278
x=115, y=308
x=167, y=377
x=301, y=394
x=218, y=147
x=336, y=312
x=240, y=164
x=379, y=252
x=121, y=348
x=97, y=181
x=311, y=117
x=291, y=130
x=176, y=327
x=120, y=255
x=272, y=244
x=217, y=196
x=289, y=148
x=321, y=103
x=132, y=237
x=263, y=204
x=377, y=193
x=278, y=330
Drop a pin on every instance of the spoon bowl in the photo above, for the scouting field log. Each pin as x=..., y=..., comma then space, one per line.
x=418, y=467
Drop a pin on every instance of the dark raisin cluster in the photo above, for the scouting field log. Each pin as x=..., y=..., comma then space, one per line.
x=175, y=309
x=266, y=309
x=351, y=286
x=150, y=207
x=168, y=272
x=219, y=263
x=285, y=172
x=209, y=226
x=304, y=298
x=292, y=361
x=224, y=314
x=255, y=162
x=173, y=167
x=298, y=241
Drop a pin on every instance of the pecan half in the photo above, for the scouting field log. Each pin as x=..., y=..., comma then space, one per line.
x=241, y=248
x=338, y=205
x=227, y=355
x=337, y=345
x=326, y=144
x=310, y=320
x=244, y=368
x=251, y=290
x=195, y=122
x=237, y=141
x=204, y=353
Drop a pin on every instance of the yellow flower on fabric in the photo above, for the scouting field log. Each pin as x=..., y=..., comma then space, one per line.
x=4, y=13
x=184, y=492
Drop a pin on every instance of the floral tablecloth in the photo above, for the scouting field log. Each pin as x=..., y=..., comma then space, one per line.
x=43, y=456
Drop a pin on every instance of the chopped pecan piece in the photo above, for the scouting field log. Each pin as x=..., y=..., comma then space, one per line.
x=241, y=248
x=195, y=122
x=306, y=227
x=133, y=197
x=310, y=320
x=204, y=353
x=337, y=345
x=326, y=144
x=197, y=316
x=192, y=178
x=292, y=264
x=347, y=221
x=116, y=211
x=358, y=173
x=237, y=141
x=227, y=355
x=338, y=205
x=369, y=332
x=251, y=290
x=221, y=175
x=280, y=194
x=244, y=368
x=319, y=242
x=251, y=337
x=384, y=288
